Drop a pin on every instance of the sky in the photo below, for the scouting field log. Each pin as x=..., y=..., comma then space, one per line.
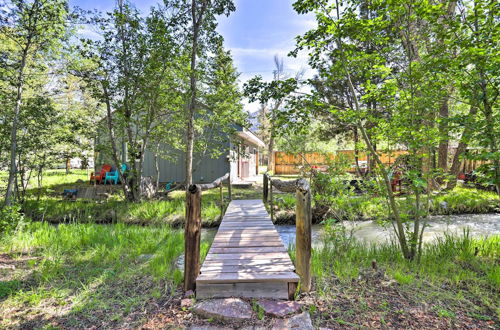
x=256, y=32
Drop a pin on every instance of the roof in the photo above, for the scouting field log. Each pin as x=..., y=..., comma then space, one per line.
x=250, y=137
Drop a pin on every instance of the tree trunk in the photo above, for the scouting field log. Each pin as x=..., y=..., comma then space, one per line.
x=157, y=166
x=270, y=158
x=443, y=133
x=492, y=139
x=68, y=164
x=114, y=153
x=197, y=20
x=13, y=133
x=400, y=233
x=444, y=108
x=356, y=152
x=462, y=146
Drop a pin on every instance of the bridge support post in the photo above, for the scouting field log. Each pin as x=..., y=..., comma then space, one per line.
x=229, y=192
x=221, y=202
x=265, y=188
x=271, y=202
x=192, y=237
x=303, y=223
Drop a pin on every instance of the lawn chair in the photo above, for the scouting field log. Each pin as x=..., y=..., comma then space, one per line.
x=114, y=176
x=100, y=177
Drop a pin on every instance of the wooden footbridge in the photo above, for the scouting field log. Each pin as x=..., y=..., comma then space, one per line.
x=247, y=257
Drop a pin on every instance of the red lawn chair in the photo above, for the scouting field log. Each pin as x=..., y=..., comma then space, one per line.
x=99, y=178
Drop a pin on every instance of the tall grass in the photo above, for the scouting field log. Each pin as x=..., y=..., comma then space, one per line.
x=466, y=200
x=50, y=206
x=458, y=201
x=457, y=262
x=92, y=267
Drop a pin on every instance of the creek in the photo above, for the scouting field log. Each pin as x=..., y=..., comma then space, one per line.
x=372, y=232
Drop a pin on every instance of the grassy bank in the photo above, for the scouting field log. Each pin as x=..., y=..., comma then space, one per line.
x=125, y=276
x=81, y=275
x=455, y=284
x=52, y=208
x=47, y=204
x=365, y=207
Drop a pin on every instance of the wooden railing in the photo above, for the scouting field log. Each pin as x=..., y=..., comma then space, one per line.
x=192, y=229
x=303, y=222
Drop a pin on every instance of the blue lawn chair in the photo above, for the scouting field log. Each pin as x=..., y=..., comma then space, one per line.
x=168, y=185
x=114, y=176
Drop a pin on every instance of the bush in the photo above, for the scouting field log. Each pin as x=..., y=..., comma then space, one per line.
x=11, y=219
x=466, y=200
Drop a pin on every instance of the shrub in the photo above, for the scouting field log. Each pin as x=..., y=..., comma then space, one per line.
x=11, y=219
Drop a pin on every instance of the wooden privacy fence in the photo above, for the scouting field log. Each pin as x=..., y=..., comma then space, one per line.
x=303, y=222
x=192, y=230
x=288, y=163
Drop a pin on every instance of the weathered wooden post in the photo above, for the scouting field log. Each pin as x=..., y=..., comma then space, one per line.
x=271, y=206
x=221, y=201
x=192, y=234
x=229, y=185
x=303, y=221
x=229, y=192
x=265, y=192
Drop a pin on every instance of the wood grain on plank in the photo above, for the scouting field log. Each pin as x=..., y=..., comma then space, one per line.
x=247, y=257
x=248, y=249
x=248, y=277
x=270, y=256
x=244, y=290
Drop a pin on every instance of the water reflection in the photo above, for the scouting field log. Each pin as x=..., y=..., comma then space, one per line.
x=373, y=232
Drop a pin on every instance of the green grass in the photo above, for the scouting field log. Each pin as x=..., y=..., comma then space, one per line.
x=52, y=179
x=456, y=271
x=458, y=201
x=466, y=200
x=116, y=209
x=51, y=207
x=88, y=271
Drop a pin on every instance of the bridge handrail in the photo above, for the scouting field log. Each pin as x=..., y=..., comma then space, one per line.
x=303, y=221
x=192, y=228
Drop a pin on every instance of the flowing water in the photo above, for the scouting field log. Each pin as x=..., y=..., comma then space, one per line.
x=372, y=232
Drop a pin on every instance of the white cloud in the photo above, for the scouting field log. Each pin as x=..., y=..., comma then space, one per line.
x=88, y=32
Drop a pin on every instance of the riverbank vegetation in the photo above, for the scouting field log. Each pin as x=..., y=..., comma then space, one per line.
x=47, y=204
x=455, y=283
x=407, y=81
x=80, y=275
x=416, y=78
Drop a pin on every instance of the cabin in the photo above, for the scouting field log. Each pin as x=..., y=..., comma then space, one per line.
x=239, y=155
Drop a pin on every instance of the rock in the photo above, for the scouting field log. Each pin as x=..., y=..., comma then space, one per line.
x=208, y=327
x=279, y=308
x=103, y=196
x=229, y=309
x=148, y=187
x=388, y=283
x=186, y=302
x=189, y=294
x=300, y=321
x=145, y=257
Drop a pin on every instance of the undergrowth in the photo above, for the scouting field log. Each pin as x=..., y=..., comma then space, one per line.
x=90, y=269
x=459, y=269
